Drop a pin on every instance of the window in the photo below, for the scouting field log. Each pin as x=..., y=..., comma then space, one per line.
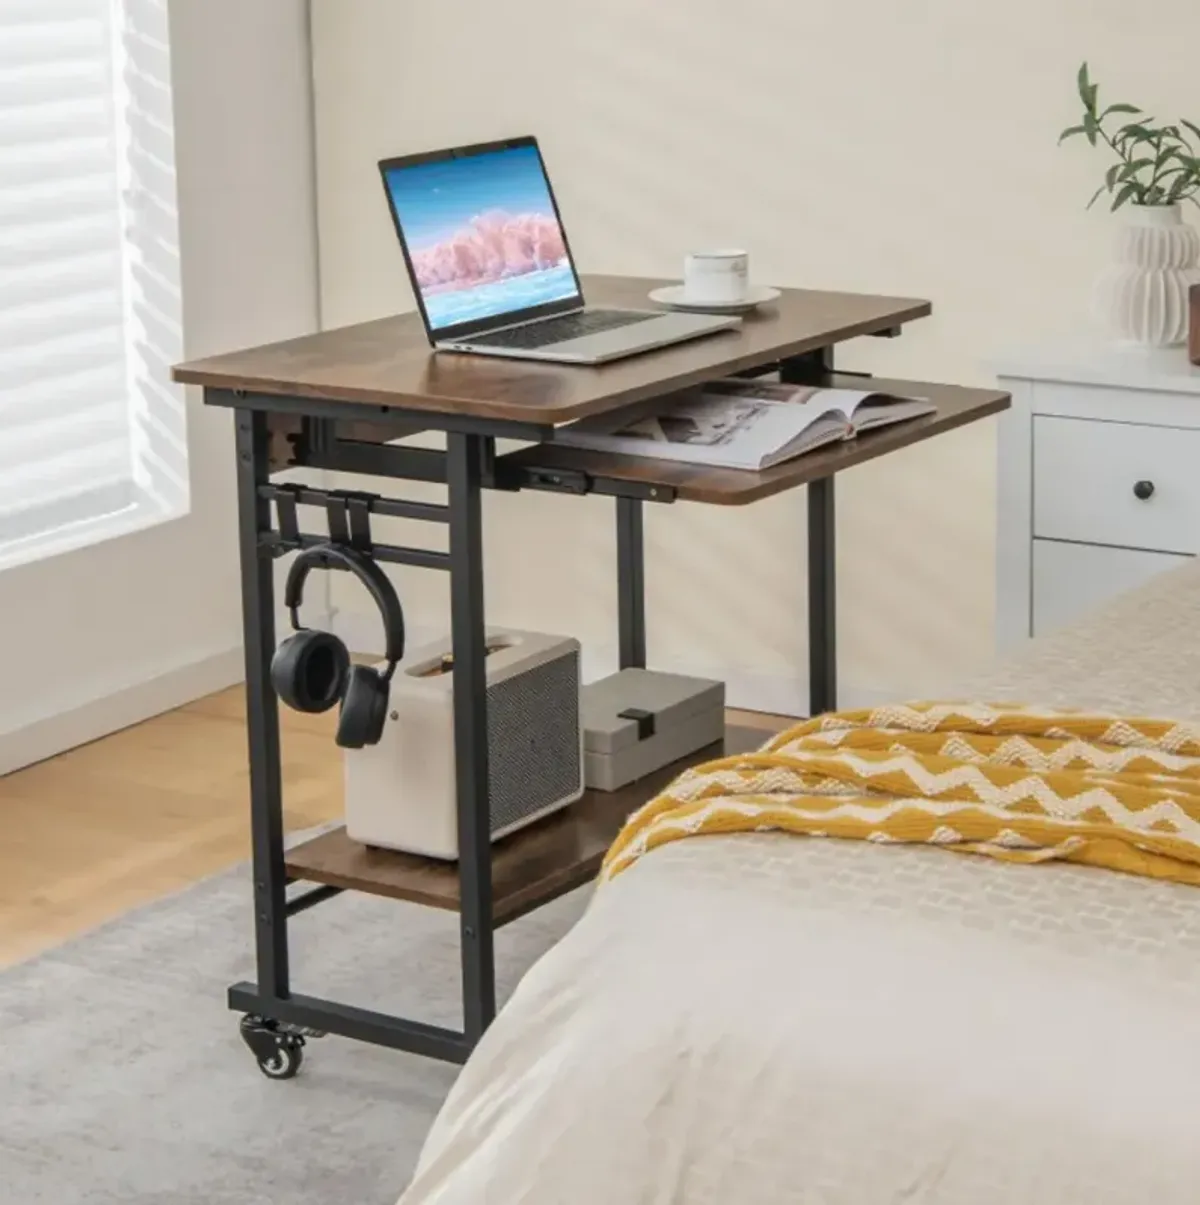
x=92, y=431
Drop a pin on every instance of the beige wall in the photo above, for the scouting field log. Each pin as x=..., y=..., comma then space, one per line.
x=897, y=148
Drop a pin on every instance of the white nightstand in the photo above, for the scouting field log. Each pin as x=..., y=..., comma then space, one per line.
x=1099, y=480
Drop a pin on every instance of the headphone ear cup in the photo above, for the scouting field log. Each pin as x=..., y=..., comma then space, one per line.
x=364, y=708
x=309, y=671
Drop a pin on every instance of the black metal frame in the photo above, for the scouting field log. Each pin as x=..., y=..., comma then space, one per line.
x=631, y=584
x=465, y=461
x=277, y=1020
x=812, y=369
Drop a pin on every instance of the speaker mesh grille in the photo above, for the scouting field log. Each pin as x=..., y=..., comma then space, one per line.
x=533, y=740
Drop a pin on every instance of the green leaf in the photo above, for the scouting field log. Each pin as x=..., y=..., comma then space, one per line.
x=1070, y=132
x=1176, y=160
x=1177, y=191
x=1091, y=128
x=1162, y=177
x=1136, y=133
x=1191, y=127
x=1131, y=127
x=1185, y=174
x=1132, y=167
x=1119, y=109
x=1097, y=194
x=1171, y=161
x=1126, y=194
x=1084, y=84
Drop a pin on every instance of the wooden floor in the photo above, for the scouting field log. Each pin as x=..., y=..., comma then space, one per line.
x=147, y=811
x=143, y=812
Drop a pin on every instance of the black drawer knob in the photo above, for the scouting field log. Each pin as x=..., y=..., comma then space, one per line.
x=1143, y=490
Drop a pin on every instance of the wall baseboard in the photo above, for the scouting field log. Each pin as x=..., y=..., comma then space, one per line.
x=775, y=693
x=75, y=723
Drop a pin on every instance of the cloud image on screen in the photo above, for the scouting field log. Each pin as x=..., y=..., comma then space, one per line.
x=482, y=235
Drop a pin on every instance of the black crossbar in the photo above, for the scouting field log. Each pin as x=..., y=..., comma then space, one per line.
x=362, y=1024
x=424, y=558
x=396, y=508
x=310, y=899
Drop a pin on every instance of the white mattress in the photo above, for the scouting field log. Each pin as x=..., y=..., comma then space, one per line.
x=766, y=1018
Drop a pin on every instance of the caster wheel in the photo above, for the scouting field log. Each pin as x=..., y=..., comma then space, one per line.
x=285, y=1060
x=279, y=1052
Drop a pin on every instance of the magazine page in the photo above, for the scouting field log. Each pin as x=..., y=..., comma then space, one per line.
x=703, y=428
x=880, y=410
x=813, y=398
x=862, y=408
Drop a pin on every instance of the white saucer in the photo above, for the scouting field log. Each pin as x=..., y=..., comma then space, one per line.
x=675, y=297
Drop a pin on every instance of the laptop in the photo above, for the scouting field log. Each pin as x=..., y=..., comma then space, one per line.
x=491, y=269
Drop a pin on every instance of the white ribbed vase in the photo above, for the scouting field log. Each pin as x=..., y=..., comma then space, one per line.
x=1142, y=297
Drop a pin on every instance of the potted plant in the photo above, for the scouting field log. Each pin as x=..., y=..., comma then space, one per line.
x=1142, y=297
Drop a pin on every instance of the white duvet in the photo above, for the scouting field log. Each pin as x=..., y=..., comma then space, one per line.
x=771, y=1019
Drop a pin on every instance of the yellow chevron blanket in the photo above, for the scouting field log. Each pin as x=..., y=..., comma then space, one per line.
x=1018, y=784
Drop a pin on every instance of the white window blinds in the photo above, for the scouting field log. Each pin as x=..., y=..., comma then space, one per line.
x=91, y=430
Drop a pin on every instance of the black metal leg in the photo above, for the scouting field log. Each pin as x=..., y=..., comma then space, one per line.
x=465, y=456
x=822, y=598
x=631, y=583
x=262, y=712
x=812, y=368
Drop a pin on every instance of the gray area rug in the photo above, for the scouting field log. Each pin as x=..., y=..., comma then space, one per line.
x=123, y=1079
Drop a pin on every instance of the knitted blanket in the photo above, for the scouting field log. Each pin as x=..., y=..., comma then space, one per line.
x=1015, y=783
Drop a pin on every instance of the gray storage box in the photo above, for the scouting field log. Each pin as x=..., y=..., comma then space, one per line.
x=639, y=720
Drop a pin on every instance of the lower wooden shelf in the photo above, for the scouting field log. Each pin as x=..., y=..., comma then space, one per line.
x=529, y=867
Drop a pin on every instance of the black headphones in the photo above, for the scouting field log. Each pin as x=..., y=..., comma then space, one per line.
x=311, y=670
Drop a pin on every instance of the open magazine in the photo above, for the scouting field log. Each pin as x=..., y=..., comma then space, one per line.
x=736, y=423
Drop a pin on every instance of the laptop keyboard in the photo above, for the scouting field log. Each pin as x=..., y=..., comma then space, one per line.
x=559, y=330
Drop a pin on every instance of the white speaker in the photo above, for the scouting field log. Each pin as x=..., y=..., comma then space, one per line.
x=400, y=793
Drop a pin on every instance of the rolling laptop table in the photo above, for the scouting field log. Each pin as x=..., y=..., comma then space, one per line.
x=334, y=401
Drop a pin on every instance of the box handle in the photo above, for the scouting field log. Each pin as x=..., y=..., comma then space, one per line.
x=644, y=720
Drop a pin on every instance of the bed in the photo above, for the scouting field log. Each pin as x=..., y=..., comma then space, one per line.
x=771, y=1018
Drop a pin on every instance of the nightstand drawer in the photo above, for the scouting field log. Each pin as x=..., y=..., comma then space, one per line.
x=1116, y=483
x=1071, y=579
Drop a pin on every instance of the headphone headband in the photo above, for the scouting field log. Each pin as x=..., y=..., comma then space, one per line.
x=377, y=583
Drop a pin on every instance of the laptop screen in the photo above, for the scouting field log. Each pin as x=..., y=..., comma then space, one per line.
x=482, y=233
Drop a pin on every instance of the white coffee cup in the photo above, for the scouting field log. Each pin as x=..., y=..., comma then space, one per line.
x=716, y=277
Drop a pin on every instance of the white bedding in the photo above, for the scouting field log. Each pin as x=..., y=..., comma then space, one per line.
x=766, y=1018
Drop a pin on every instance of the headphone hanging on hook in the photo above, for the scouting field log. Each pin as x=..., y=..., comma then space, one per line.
x=311, y=670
